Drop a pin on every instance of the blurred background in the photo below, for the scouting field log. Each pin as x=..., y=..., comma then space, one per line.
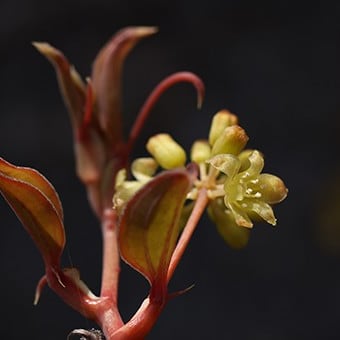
x=276, y=65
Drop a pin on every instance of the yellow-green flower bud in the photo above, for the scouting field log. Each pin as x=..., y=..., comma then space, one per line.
x=166, y=151
x=200, y=151
x=144, y=168
x=124, y=190
x=232, y=140
x=272, y=188
x=220, y=121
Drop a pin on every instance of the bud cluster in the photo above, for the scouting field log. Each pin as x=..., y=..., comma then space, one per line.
x=238, y=191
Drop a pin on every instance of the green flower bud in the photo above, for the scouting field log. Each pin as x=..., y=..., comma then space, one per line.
x=124, y=190
x=200, y=151
x=232, y=140
x=272, y=188
x=144, y=168
x=166, y=151
x=220, y=121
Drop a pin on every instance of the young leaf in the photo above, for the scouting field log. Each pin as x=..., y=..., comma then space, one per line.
x=35, y=178
x=149, y=226
x=36, y=203
x=106, y=78
x=71, y=85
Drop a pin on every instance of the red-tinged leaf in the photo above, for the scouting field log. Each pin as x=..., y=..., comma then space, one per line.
x=71, y=85
x=34, y=178
x=149, y=226
x=106, y=79
x=32, y=198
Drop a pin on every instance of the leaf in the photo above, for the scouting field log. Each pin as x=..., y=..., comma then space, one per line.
x=71, y=85
x=35, y=178
x=106, y=78
x=149, y=226
x=36, y=204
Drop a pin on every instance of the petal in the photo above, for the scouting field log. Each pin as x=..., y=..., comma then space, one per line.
x=226, y=163
x=240, y=214
x=261, y=208
x=234, y=235
x=255, y=167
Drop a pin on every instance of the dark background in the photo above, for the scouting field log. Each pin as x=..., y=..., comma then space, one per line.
x=275, y=64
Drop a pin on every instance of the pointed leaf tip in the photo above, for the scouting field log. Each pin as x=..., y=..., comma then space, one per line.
x=106, y=77
x=72, y=87
x=149, y=227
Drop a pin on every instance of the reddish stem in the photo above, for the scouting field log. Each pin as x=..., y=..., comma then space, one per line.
x=140, y=324
x=165, y=84
x=111, y=261
x=71, y=293
x=200, y=205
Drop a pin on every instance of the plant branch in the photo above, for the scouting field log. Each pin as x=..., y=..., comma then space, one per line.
x=155, y=95
x=140, y=324
x=111, y=259
x=200, y=205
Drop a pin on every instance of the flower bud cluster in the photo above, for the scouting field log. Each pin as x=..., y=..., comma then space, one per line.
x=239, y=193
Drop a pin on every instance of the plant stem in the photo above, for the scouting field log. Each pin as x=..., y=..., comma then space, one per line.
x=156, y=93
x=111, y=260
x=140, y=324
x=200, y=205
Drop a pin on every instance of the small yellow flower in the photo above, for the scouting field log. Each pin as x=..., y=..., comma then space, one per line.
x=248, y=191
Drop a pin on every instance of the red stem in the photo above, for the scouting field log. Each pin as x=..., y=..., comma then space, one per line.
x=165, y=84
x=200, y=205
x=140, y=324
x=111, y=261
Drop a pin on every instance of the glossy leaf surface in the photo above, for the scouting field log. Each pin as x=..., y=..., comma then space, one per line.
x=106, y=78
x=71, y=85
x=149, y=226
x=37, y=205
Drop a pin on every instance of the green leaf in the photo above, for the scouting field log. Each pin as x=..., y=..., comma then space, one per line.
x=149, y=226
x=37, y=205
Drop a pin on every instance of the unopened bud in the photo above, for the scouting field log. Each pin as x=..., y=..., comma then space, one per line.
x=144, y=168
x=272, y=188
x=232, y=140
x=220, y=121
x=166, y=151
x=200, y=151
